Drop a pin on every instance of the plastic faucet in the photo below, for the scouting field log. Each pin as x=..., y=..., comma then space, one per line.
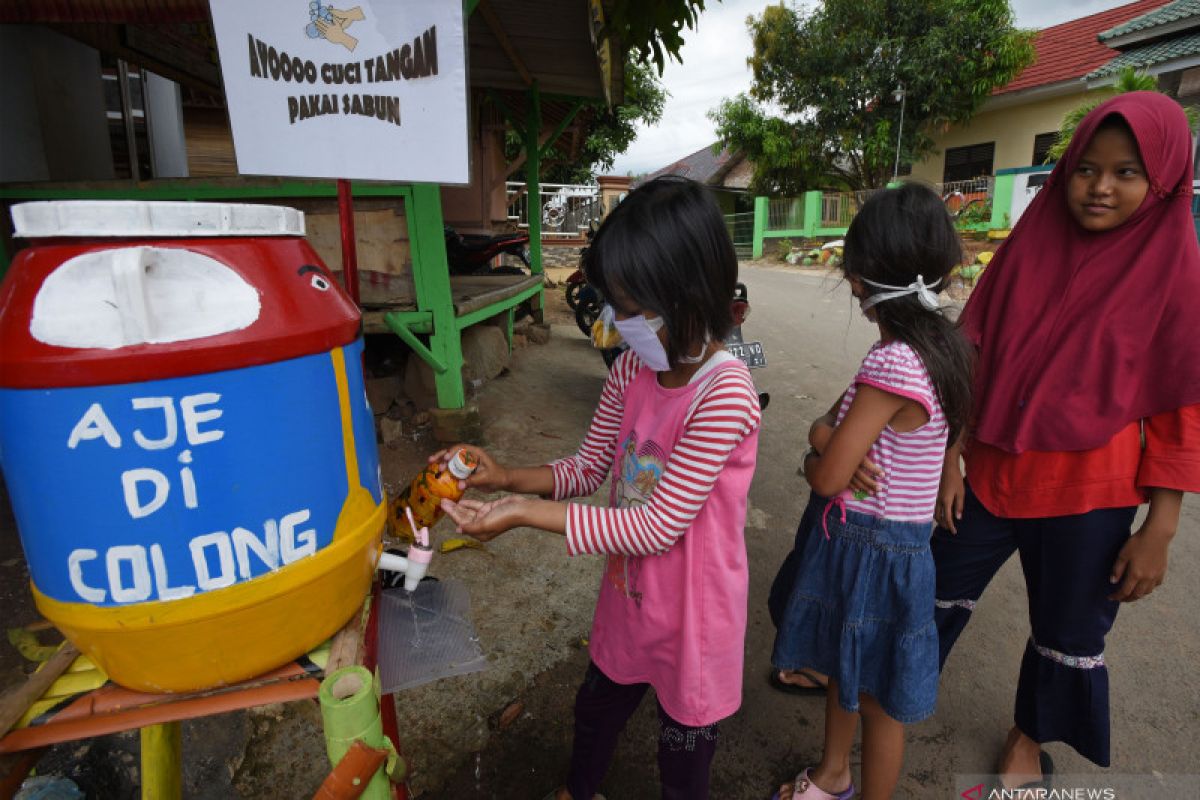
x=420, y=553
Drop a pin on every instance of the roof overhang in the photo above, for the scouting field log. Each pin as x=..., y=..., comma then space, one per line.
x=1147, y=35
x=1172, y=65
x=1032, y=95
x=512, y=44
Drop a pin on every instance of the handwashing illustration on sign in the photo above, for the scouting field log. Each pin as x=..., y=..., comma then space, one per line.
x=326, y=22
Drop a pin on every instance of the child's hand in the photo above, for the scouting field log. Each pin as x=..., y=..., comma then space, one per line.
x=1141, y=565
x=865, y=479
x=951, y=494
x=486, y=520
x=489, y=476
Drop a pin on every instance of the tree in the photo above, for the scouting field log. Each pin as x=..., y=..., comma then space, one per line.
x=821, y=114
x=1128, y=80
x=653, y=29
x=607, y=132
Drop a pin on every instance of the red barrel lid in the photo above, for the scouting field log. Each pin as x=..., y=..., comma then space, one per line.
x=117, y=292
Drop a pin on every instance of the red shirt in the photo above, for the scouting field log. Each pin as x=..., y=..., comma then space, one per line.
x=1037, y=484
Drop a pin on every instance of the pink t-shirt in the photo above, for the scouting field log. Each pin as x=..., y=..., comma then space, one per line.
x=673, y=599
x=911, y=461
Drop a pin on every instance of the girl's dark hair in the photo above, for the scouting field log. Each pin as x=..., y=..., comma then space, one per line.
x=899, y=234
x=666, y=246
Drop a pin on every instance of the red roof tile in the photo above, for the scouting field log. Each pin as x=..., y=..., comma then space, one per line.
x=1072, y=49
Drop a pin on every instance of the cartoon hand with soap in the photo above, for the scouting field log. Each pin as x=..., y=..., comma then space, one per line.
x=330, y=23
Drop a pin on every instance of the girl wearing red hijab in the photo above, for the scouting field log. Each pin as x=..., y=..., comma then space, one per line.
x=1087, y=404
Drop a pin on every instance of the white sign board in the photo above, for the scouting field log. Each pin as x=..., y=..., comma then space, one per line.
x=370, y=91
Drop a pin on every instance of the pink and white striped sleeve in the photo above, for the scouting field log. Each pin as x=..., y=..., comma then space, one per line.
x=723, y=414
x=583, y=473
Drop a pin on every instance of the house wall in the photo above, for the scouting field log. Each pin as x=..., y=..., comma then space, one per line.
x=164, y=115
x=1012, y=128
x=55, y=125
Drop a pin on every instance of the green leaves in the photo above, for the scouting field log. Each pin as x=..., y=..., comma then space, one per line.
x=1129, y=80
x=829, y=78
x=653, y=29
x=608, y=132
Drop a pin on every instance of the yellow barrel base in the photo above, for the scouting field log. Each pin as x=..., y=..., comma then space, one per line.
x=232, y=634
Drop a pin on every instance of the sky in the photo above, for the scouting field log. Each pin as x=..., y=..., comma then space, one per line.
x=714, y=67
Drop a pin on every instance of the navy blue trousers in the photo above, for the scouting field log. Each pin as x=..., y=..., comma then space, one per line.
x=1062, y=692
x=602, y=707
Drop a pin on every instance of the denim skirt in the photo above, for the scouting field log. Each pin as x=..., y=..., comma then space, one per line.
x=860, y=609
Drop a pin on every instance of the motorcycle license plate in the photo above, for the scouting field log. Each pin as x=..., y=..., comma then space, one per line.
x=751, y=353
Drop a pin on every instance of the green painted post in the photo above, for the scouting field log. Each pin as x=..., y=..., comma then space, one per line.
x=433, y=290
x=533, y=186
x=812, y=213
x=761, y=206
x=1002, y=202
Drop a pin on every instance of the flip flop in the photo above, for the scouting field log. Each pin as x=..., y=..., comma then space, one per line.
x=1047, y=765
x=804, y=789
x=781, y=685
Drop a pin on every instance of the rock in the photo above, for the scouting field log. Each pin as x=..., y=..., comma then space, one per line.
x=485, y=352
x=392, y=432
x=402, y=408
x=381, y=392
x=538, y=333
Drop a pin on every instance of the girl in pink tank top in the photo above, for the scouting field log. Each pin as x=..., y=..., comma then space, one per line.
x=676, y=430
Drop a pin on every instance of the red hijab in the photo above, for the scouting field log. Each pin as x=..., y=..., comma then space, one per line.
x=1081, y=333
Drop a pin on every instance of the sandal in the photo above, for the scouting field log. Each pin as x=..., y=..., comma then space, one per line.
x=1047, y=765
x=804, y=789
x=779, y=684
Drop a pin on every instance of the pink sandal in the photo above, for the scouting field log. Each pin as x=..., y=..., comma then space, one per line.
x=804, y=789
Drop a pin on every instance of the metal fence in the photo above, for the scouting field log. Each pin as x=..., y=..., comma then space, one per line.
x=566, y=209
x=837, y=209
x=785, y=213
x=958, y=196
x=741, y=230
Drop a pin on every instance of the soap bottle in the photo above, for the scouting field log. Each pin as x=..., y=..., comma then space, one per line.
x=424, y=495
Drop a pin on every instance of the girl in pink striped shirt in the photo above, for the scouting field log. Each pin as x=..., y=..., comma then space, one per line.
x=676, y=429
x=860, y=607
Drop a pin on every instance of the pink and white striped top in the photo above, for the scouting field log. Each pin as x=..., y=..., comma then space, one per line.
x=720, y=409
x=911, y=461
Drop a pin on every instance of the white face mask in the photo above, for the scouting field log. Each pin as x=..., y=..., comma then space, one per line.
x=918, y=287
x=641, y=335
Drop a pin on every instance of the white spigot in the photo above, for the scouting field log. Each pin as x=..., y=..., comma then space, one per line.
x=419, y=555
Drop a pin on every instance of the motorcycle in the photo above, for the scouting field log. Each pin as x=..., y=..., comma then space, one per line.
x=577, y=281
x=471, y=254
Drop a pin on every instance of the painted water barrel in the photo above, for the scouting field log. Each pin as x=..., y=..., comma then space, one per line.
x=185, y=436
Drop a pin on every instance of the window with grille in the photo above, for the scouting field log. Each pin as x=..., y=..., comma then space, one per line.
x=965, y=163
x=1041, y=146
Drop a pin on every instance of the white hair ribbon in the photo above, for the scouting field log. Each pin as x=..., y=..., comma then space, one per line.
x=917, y=287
